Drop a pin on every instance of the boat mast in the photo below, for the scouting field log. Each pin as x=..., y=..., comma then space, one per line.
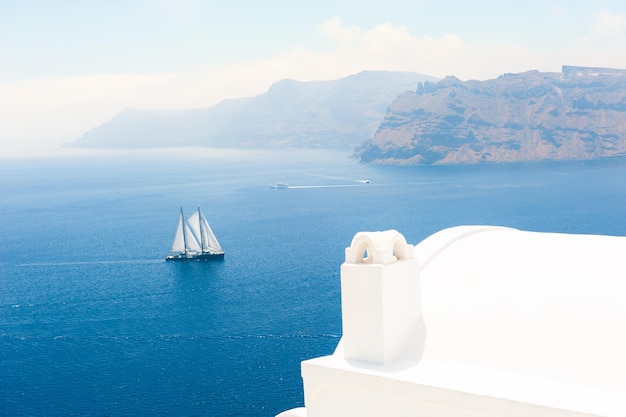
x=182, y=220
x=201, y=232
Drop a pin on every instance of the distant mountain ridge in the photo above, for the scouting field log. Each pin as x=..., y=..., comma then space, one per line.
x=341, y=113
x=579, y=113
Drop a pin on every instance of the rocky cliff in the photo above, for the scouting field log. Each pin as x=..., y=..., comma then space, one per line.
x=579, y=113
x=339, y=113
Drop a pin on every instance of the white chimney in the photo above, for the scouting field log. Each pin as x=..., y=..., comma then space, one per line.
x=380, y=299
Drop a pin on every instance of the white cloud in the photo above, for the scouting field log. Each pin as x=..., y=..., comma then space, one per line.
x=389, y=47
x=609, y=24
x=333, y=29
x=601, y=45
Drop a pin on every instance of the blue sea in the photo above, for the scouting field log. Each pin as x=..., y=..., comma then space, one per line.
x=94, y=322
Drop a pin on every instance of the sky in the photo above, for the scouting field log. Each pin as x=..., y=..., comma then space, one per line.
x=67, y=66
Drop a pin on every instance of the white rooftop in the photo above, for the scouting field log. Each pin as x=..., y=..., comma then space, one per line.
x=476, y=321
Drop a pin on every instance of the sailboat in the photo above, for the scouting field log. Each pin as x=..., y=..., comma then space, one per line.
x=194, y=240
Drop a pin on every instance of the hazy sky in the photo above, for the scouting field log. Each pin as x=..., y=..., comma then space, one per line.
x=69, y=66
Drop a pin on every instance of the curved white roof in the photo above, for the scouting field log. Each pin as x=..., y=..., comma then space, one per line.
x=516, y=323
x=535, y=317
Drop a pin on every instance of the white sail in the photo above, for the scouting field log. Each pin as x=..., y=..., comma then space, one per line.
x=184, y=240
x=203, y=233
x=193, y=246
x=179, y=240
x=210, y=238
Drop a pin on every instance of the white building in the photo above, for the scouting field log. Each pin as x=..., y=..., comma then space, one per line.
x=476, y=321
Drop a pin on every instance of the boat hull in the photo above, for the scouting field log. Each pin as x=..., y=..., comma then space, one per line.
x=199, y=257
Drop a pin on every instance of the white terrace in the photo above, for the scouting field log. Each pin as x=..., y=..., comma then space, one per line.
x=476, y=321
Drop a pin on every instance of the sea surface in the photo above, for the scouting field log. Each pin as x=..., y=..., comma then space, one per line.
x=94, y=322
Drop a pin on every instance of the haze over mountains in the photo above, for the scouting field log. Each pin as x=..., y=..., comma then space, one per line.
x=341, y=113
x=403, y=118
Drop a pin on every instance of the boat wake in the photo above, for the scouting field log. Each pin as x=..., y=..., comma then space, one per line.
x=102, y=262
x=325, y=186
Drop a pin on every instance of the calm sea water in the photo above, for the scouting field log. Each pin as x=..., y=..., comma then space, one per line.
x=94, y=322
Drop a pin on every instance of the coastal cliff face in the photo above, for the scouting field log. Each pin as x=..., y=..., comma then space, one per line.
x=579, y=113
